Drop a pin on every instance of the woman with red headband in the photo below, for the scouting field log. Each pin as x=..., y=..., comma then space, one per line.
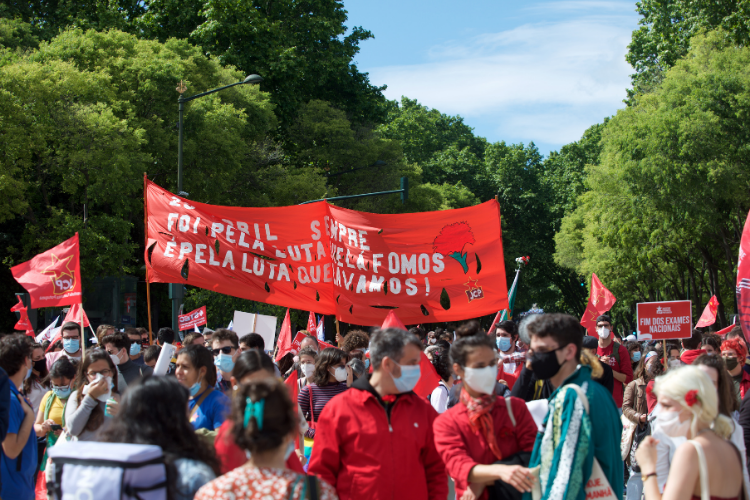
x=734, y=352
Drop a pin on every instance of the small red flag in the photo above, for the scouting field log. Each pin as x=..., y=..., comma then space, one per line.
x=726, y=330
x=311, y=326
x=601, y=300
x=392, y=321
x=709, y=313
x=74, y=315
x=52, y=278
x=24, y=323
x=284, y=344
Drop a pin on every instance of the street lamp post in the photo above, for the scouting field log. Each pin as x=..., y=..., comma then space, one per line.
x=176, y=290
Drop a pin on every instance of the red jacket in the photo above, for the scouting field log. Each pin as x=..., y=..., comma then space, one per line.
x=744, y=384
x=462, y=448
x=689, y=356
x=364, y=456
x=624, y=367
x=232, y=456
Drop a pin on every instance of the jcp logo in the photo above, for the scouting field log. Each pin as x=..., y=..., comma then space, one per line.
x=64, y=284
x=474, y=293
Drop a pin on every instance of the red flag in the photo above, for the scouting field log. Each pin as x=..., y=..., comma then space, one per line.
x=709, y=313
x=495, y=321
x=311, y=327
x=52, y=278
x=291, y=383
x=24, y=323
x=392, y=321
x=18, y=307
x=74, y=315
x=743, y=280
x=726, y=330
x=601, y=300
x=284, y=344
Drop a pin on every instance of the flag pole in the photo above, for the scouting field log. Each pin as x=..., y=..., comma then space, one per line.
x=664, y=343
x=83, y=331
x=148, y=287
x=338, y=332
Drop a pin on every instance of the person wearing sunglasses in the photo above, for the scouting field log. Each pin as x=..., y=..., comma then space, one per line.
x=225, y=348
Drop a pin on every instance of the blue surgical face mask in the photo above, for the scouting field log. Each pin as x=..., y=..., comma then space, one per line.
x=135, y=348
x=61, y=392
x=637, y=356
x=408, y=379
x=289, y=450
x=71, y=345
x=224, y=362
x=195, y=389
x=367, y=363
x=503, y=343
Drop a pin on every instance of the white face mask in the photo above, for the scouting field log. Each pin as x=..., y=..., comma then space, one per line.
x=340, y=374
x=669, y=423
x=603, y=332
x=481, y=379
x=308, y=369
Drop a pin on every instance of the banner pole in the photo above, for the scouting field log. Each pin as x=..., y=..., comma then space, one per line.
x=148, y=287
x=255, y=321
x=83, y=331
x=664, y=343
x=338, y=332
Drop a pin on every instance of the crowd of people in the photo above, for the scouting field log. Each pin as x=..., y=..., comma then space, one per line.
x=620, y=417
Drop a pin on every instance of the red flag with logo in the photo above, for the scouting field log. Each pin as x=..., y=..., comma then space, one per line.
x=311, y=327
x=74, y=315
x=284, y=344
x=743, y=280
x=24, y=323
x=709, y=313
x=193, y=319
x=601, y=300
x=52, y=278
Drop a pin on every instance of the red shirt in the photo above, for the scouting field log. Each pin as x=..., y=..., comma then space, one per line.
x=689, y=356
x=461, y=448
x=623, y=367
x=232, y=456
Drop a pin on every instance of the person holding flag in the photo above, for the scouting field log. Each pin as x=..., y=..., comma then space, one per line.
x=616, y=356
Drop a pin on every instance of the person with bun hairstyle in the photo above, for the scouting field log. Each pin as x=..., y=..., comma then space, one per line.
x=483, y=428
x=375, y=441
x=707, y=464
x=265, y=424
x=251, y=365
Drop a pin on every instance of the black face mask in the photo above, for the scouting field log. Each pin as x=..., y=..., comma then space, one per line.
x=41, y=366
x=545, y=364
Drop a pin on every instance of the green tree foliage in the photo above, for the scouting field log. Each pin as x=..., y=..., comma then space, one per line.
x=665, y=206
x=667, y=26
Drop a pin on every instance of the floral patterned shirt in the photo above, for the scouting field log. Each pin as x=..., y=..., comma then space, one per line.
x=255, y=483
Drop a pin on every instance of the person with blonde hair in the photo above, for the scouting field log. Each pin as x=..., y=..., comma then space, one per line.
x=708, y=466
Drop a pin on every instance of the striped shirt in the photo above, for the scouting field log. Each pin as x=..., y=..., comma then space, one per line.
x=321, y=397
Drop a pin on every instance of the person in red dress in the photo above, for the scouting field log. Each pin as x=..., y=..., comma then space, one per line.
x=480, y=431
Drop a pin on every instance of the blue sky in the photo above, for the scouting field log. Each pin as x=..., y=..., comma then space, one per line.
x=541, y=71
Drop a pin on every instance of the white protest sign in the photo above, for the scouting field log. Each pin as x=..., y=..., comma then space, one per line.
x=265, y=326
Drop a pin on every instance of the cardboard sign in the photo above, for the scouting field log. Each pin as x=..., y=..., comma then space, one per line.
x=265, y=326
x=665, y=320
x=192, y=319
x=433, y=267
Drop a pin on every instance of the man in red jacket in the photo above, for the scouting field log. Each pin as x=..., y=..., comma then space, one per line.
x=375, y=441
x=692, y=348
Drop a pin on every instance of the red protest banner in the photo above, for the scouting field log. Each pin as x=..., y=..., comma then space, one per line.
x=192, y=319
x=432, y=267
x=743, y=280
x=665, y=320
x=52, y=278
x=297, y=342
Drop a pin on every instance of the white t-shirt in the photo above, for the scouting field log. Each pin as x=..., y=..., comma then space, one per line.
x=439, y=397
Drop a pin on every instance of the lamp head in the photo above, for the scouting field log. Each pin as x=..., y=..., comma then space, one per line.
x=253, y=79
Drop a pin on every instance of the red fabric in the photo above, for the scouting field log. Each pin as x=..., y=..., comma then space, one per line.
x=650, y=396
x=743, y=280
x=311, y=327
x=709, y=313
x=689, y=356
x=284, y=343
x=726, y=330
x=478, y=410
x=359, y=454
x=327, y=259
x=428, y=378
x=624, y=367
x=461, y=448
x=52, y=278
x=24, y=323
x=744, y=384
x=192, y=319
x=392, y=321
x=74, y=315
x=231, y=456
x=293, y=386
x=601, y=300
x=510, y=378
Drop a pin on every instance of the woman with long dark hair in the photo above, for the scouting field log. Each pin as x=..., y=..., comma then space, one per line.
x=149, y=414
x=328, y=380
x=37, y=385
x=95, y=398
x=197, y=373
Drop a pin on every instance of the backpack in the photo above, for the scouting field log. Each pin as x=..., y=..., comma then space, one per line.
x=115, y=471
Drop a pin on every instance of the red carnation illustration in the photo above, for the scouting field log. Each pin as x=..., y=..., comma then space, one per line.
x=452, y=240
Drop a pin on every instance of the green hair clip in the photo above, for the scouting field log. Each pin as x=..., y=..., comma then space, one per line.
x=254, y=410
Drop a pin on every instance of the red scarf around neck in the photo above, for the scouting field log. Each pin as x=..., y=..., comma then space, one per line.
x=479, y=410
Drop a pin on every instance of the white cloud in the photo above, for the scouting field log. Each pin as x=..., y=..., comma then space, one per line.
x=546, y=81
